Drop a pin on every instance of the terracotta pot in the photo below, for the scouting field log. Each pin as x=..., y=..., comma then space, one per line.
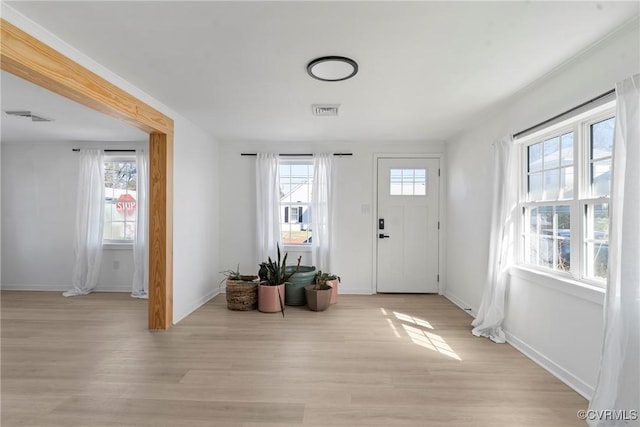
x=268, y=298
x=334, y=290
x=318, y=299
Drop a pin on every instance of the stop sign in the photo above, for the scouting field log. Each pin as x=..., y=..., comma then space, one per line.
x=126, y=204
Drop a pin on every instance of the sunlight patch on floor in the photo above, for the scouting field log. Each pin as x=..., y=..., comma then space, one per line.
x=412, y=319
x=420, y=332
x=430, y=341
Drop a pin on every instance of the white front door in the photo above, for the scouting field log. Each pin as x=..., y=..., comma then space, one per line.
x=407, y=232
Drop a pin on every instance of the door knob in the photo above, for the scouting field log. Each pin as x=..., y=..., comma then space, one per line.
x=383, y=236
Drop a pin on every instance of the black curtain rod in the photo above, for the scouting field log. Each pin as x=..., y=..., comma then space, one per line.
x=571, y=110
x=110, y=151
x=297, y=155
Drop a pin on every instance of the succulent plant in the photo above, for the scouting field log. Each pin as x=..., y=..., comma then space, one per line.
x=232, y=274
x=323, y=278
x=274, y=272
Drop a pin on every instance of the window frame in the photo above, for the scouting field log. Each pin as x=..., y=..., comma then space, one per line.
x=582, y=197
x=114, y=158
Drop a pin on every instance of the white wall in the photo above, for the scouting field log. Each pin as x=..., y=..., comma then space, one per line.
x=38, y=219
x=195, y=223
x=352, y=258
x=195, y=238
x=38, y=209
x=557, y=324
x=1, y=214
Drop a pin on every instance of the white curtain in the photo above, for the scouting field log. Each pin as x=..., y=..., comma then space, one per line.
x=618, y=386
x=321, y=211
x=488, y=322
x=267, y=204
x=89, y=223
x=140, y=285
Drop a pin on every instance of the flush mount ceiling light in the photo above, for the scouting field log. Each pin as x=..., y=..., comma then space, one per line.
x=332, y=68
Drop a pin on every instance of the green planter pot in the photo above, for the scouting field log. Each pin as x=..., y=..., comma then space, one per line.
x=294, y=288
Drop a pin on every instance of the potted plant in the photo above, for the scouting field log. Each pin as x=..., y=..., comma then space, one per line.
x=332, y=280
x=301, y=276
x=241, y=291
x=319, y=294
x=273, y=275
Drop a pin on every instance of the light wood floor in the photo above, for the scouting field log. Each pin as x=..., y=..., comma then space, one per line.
x=384, y=360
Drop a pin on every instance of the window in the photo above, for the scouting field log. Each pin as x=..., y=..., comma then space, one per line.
x=292, y=214
x=296, y=177
x=408, y=182
x=565, y=197
x=120, y=181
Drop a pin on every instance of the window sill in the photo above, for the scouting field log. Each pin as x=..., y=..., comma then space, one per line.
x=565, y=285
x=296, y=248
x=117, y=246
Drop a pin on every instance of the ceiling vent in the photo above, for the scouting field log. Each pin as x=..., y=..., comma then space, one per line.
x=325, y=110
x=29, y=115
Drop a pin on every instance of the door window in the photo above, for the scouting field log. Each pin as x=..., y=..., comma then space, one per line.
x=408, y=182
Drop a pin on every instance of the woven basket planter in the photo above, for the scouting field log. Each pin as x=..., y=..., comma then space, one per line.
x=241, y=295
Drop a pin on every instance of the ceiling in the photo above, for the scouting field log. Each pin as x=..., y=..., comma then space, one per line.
x=71, y=121
x=238, y=69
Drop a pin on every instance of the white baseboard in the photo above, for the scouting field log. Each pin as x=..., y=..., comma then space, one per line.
x=195, y=305
x=59, y=288
x=463, y=305
x=581, y=387
x=125, y=288
x=354, y=291
x=32, y=287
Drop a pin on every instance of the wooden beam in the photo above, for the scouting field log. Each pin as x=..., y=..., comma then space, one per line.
x=28, y=58
x=32, y=60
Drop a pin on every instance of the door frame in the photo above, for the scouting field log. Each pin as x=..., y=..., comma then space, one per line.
x=374, y=220
x=25, y=56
